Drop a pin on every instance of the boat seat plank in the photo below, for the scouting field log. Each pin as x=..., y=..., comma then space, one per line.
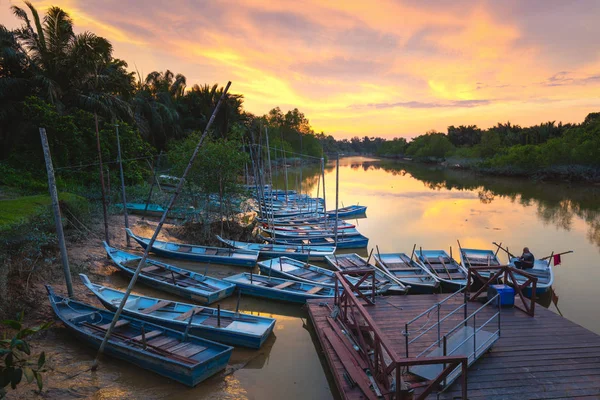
x=283, y=285
x=151, y=268
x=190, y=351
x=121, y=322
x=157, y=306
x=161, y=340
x=315, y=290
x=149, y=335
x=189, y=313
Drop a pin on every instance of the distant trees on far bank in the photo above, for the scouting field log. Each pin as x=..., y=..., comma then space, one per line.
x=504, y=146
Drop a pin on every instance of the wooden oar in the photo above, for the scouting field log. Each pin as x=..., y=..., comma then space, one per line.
x=186, y=280
x=502, y=248
x=444, y=264
x=462, y=253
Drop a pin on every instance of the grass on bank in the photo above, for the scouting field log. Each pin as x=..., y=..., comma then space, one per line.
x=20, y=210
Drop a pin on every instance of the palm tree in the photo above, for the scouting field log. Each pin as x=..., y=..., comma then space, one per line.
x=199, y=102
x=155, y=106
x=72, y=70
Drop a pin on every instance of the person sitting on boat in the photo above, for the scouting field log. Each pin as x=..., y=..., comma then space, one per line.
x=526, y=260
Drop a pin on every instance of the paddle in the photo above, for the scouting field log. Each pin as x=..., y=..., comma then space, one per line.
x=502, y=248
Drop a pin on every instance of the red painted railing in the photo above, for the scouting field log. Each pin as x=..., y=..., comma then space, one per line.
x=507, y=273
x=385, y=366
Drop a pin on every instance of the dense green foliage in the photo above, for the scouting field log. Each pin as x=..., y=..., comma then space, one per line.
x=51, y=77
x=571, y=151
x=15, y=353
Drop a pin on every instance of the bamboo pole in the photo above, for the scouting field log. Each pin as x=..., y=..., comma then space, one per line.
x=123, y=195
x=106, y=238
x=56, y=209
x=324, y=194
x=154, y=180
x=158, y=228
x=337, y=195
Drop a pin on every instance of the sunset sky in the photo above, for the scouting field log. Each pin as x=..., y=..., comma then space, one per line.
x=382, y=68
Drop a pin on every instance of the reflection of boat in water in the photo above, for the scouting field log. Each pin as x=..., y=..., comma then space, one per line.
x=261, y=357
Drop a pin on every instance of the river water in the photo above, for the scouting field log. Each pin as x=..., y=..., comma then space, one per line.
x=408, y=204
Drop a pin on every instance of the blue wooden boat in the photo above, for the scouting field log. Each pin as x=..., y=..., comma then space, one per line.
x=298, y=252
x=179, y=281
x=350, y=242
x=324, y=233
x=349, y=211
x=154, y=210
x=408, y=271
x=350, y=262
x=542, y=269
x=288, y=268
x=478, y=258
x=279, y=289
x=175, y=355
x=451, y=275
x=235, y=329
x=217, y=255
x=304, y=227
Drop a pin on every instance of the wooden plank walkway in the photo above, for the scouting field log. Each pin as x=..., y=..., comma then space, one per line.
x=544, y=357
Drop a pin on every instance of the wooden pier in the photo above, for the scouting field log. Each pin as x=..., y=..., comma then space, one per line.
x=540, y=357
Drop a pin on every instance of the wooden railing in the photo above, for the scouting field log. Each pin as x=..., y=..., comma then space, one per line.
x=384, y=364
x=507, y=273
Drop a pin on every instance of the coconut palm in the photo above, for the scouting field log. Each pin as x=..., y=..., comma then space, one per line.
x=70, y=70
x=155, y=106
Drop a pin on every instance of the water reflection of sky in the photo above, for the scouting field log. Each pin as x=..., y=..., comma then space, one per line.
x=411, y=204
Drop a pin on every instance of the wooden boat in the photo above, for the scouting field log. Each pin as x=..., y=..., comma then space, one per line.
x=298, y=252
x=409, y=272
x=350, y=242
x=452, y=276
x=288, y=268
x=273, y=227
x=542, y=269
x=222, y=326
x=478, y=258
x=349, y=211
x=179, y=281
x=350, y=262
x=175, y=355
x=313, y=234
x=154, y=210
x=279, y=289
x=218, y=255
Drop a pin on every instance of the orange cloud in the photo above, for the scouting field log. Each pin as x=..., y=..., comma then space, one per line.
x=395, y=68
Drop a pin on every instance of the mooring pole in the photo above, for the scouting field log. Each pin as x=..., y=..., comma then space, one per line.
x=55, y=207
x=123, y=186
x=106, y=238
x=324, y=195
x=154, y=180
x=142, y=261
x=337, y=194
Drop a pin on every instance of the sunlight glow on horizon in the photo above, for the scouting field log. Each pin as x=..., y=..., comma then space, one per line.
x=396, y=68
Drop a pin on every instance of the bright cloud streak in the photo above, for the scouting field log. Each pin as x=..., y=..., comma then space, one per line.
x=391, y=68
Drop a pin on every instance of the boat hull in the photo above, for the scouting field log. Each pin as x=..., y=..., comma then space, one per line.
x=190, y=375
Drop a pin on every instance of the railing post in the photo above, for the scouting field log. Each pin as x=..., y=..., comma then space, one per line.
x=335, y=298
x=464, y=367
x=439, y=329
x=445, y=353
x=406, y=335
x=474, y=336
x=499, y=313
x=466, y=302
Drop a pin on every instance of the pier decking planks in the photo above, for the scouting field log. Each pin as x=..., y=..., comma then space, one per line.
x=545, y=357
